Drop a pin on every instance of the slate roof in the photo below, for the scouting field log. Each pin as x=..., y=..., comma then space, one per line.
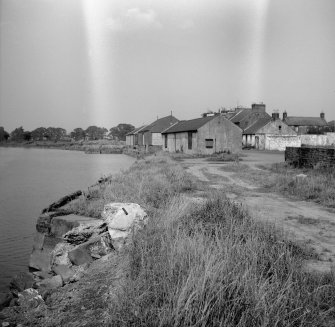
x=136, y=130
x=261, y=122
x=160, y=124
x=305, y=121
x=188, y=125
x=240, y=115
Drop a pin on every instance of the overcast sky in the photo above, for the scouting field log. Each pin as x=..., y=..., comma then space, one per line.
x=75, y=63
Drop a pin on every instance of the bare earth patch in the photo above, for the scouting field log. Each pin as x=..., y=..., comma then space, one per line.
x=306, y=223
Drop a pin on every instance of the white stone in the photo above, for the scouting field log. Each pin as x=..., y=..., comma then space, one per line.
x=123, y=216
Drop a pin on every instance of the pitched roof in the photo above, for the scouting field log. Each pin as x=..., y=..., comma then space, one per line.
x=240, y=115
x=188, y=125
x=160, y=124
x=331, y=123
x=136, y=130
x=305, y=121
x=259, y=123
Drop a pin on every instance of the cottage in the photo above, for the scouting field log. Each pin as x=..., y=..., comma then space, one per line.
x=206, y=135
x=245, y=117
x=259, y=133
x=306, y=125
x=151, y=134
x=132, y=137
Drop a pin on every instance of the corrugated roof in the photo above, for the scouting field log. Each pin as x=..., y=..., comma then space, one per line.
x=305, y=121
x=188, y=125
x=160, y=124
x=259, y=123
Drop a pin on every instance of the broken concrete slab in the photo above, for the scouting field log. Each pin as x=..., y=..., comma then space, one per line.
x=63, y=224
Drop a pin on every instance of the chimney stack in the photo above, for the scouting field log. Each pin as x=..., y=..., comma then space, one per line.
x=284, y=115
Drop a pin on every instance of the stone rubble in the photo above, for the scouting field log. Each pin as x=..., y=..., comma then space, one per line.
x=65, y=246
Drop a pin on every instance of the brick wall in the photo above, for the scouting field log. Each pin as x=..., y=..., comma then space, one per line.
x=310, y=156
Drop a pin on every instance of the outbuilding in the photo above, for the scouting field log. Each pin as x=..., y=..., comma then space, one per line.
x=151, y=134
x=206, y=135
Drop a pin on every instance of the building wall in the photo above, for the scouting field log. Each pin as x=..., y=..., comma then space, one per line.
x=178, y=142
x=226, y=136
x=129, y=139
x=140, y=139
x=276, y=127
x=156, y=139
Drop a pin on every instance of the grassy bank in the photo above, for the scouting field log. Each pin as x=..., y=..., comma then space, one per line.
x=209, y=264
x=212, y=265
x=151, y=183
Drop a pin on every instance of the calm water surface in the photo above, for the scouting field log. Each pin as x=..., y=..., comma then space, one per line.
x=31, y=179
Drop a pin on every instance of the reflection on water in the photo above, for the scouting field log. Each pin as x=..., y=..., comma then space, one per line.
x=30, y=179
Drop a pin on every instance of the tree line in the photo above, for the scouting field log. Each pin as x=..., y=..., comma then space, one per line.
x=55, y=134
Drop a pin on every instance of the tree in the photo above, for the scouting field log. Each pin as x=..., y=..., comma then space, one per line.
x=95, y=133
x=38, y=134
x=78, y=134
x=3, y=135
x=120, y=131
x=55, y=133
x=17, y=134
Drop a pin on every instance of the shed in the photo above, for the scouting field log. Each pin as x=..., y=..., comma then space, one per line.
x=132, y=137
x=206, y=135
x=151, y=134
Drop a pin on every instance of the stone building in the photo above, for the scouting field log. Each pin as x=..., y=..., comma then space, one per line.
x=258, y=134
x=206, y=135
x=306, y=125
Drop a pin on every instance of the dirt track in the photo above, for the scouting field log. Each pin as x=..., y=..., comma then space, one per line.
x=304, y=222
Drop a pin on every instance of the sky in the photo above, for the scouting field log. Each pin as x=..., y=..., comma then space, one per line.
x=76, y=63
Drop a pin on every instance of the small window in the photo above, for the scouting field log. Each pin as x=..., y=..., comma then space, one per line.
x=279, y=127
x=209, y=143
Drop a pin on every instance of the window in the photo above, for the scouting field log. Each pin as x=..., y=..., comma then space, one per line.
x=189, y=136
x=209, y=143
x=279, y=127
x=165, y=140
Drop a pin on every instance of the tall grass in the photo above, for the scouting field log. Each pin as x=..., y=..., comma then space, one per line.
x=150, y=183
x=212, y=265
x=318, y=185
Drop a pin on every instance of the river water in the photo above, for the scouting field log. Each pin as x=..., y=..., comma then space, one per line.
x=30, y=180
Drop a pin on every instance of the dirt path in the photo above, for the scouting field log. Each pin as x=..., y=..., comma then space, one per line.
x=304, y=222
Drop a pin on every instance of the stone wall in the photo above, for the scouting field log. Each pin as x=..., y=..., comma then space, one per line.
x=310, y=156
x=318, y=140
x=280, y=142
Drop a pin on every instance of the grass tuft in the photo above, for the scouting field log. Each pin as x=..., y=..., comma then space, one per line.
x=212, y=265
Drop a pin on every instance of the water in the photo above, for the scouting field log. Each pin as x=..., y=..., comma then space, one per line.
x=31, y=179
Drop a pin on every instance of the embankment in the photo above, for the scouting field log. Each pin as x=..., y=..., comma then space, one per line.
x=198, y=261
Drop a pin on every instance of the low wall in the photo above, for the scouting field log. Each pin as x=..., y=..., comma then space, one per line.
x=310, y=156
x=281, y=142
